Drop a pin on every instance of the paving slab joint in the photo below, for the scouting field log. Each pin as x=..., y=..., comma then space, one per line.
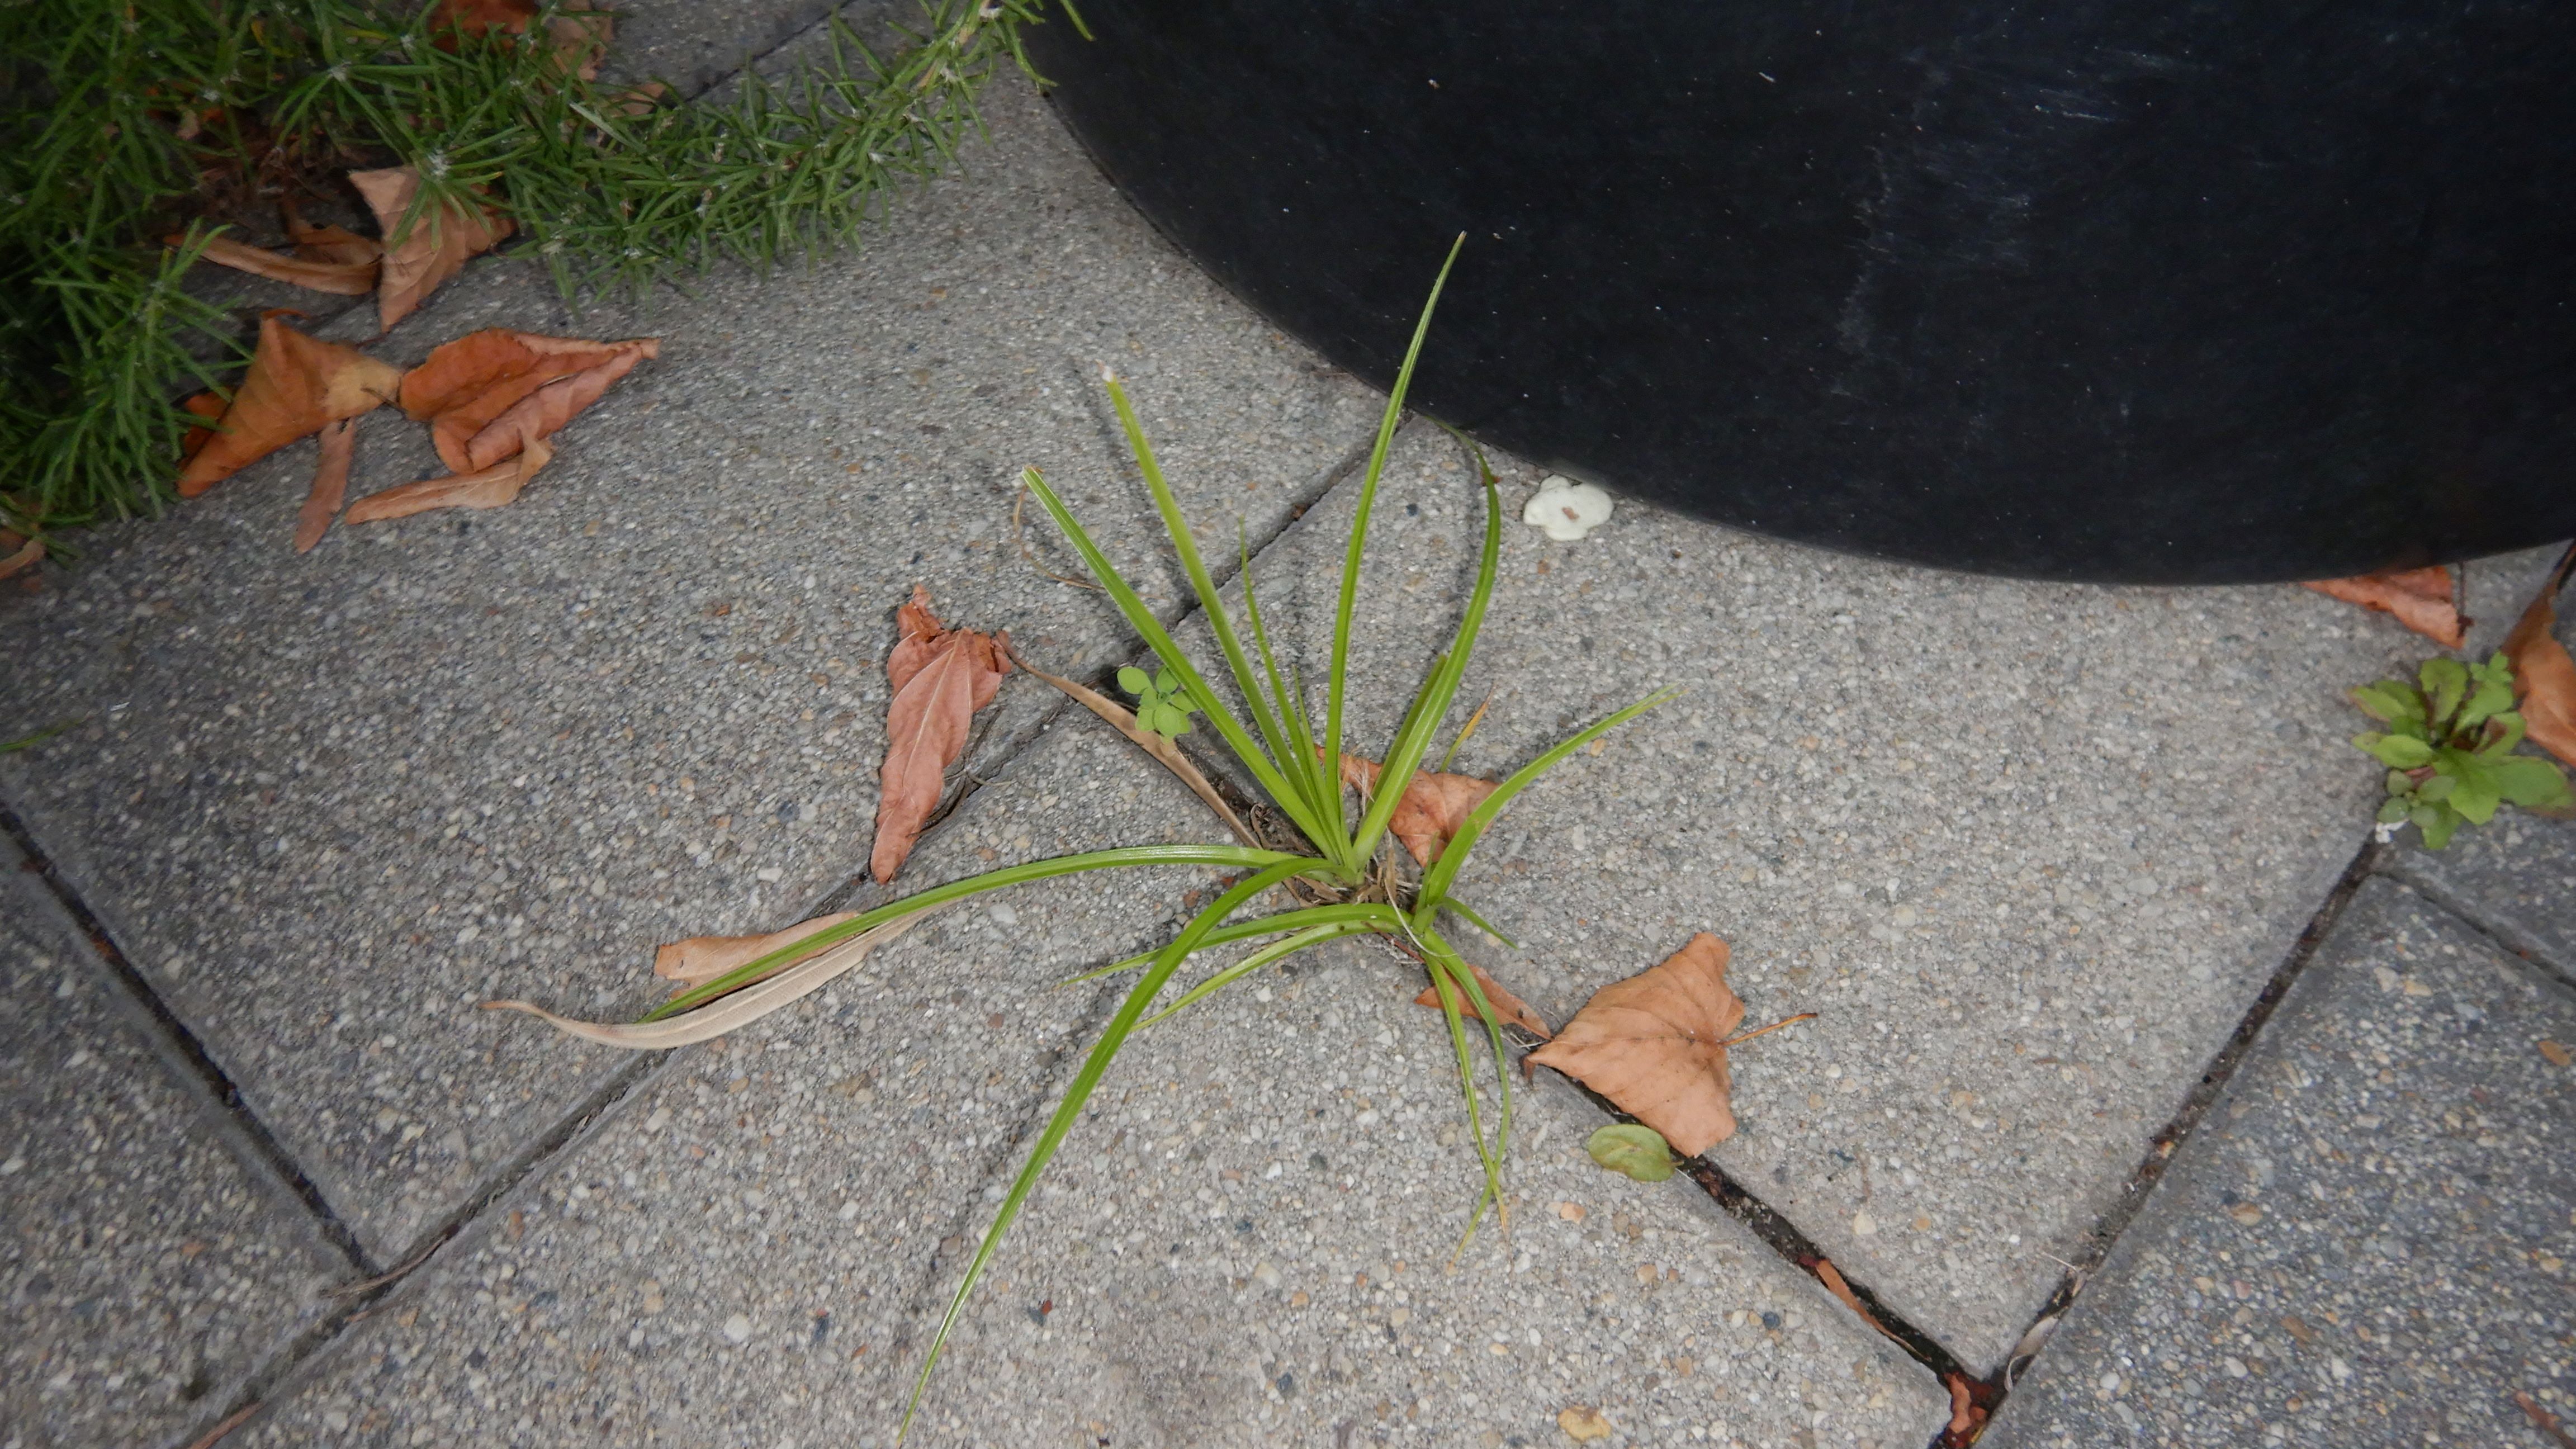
x=2164, y=1147
x=278, y=1376
x=2503, y=934
x=192, y=1065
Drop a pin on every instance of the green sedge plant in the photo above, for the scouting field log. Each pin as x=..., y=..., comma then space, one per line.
x=2449, y=748
x=1338, y=867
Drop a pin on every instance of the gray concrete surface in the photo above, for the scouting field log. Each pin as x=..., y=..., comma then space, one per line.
x=325, y=800
x=737, y=1255
x=2030, y=849
x=1255, y=1239
x=751, y=1250
x=145, y=1271
x=2367, y=1244
x=2517, y=878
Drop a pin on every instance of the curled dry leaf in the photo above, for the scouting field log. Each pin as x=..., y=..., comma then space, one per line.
x=435, y=246
x=544, y=411
x=940, y=678
x=1432, y=807
x=737, y=1009
x=1967, y=1416
x=580, y=35
x=1654, y=1045
x=2420, y=598
x=329, y=243
x=2543, y=673
x=487, y=488
x=1515, y=1012
x=480, y=393
x=340, y=279
x=1832, y=1278
x=702, y=959
x=295, y=385
x=18, y=553
x=330, y=484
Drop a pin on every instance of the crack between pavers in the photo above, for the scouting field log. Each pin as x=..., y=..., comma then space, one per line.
x=461, y=1229
x=2503, y=935
x=291, y=1368
x=2167, y=1145
x=1783, y=1237
x=196, y=1068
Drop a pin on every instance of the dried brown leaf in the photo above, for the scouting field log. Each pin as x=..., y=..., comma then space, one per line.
x=295, y=385
x=440, y=241
x=1967, y=1416
x=18, y=553
x=940, y=678
x=702, y=959
x=542, y=412
x=2543, y=1420
x=329, y=243
x=474, y=18
x=489, y=488
x=1515, y=1012
x=330, y=484
x=2419, y=598
x=2543, y=673
x=207, y=405
x=464, y=387
x=1431, y=810
x=1654, y=1044
x=1832, y=1278
x=340, y=279
x=580, y=37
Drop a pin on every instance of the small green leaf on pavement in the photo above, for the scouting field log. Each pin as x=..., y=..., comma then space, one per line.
x=1632, y=1150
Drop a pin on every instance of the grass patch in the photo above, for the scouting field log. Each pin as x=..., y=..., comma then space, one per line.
x=122, y=124
x=1335, y=864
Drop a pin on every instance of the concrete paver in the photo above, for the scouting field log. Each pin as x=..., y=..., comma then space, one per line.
x=751, y=1250
x=734, y=1255
x=2030, y=849
x=2367, y=1242
x=325, y=801
x=144, y=1271
x=1254, y=1239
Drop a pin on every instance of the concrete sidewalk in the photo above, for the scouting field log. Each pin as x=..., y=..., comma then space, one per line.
x=2041, y=857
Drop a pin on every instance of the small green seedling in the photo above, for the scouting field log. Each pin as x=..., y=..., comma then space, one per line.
x=1162, y=700
x=2449, y=750
x=1632, y=1149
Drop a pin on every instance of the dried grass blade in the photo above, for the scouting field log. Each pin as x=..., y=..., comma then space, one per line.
x=740, y=1009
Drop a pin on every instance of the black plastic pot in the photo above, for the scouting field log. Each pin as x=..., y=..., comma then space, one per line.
x=2116, y=290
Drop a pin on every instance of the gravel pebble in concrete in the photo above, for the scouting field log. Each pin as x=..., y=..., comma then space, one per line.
x=738, y=1255
x=2030, y=849
x=2368, y=1242
x=144, y=1271
x=325, y=802
x=1250, y=1241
